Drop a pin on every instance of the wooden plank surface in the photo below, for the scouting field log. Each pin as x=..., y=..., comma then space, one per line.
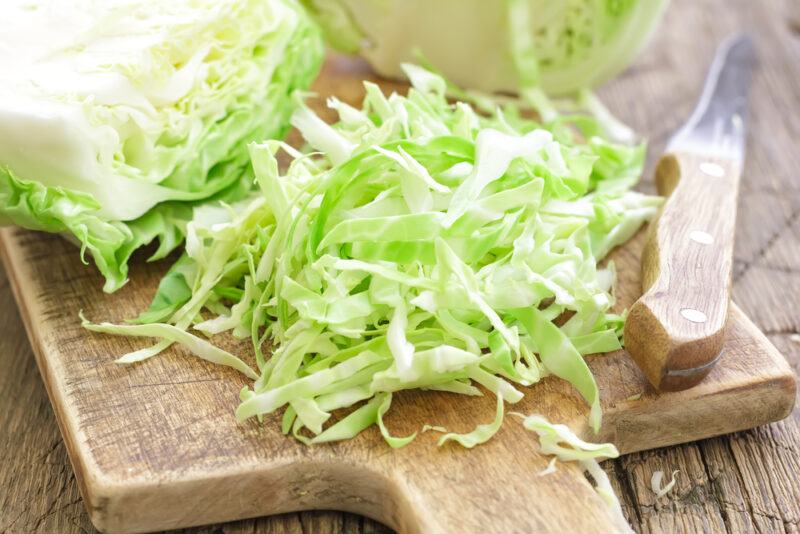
x=745, y=482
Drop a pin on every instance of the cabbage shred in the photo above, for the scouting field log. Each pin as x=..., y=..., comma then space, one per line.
x=414, y=244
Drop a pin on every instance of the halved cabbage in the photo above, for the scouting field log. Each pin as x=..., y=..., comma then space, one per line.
x=117, y=116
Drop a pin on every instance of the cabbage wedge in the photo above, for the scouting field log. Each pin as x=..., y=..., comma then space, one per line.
x=117, y=117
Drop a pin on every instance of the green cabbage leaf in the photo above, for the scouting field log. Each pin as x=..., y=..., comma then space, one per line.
x=117, y=118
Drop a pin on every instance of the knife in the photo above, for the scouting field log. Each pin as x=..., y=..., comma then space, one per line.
x=676, y=330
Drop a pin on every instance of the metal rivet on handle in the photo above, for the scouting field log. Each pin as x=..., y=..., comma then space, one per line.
x=704, y=238
x=695, y=316
x=712, y=169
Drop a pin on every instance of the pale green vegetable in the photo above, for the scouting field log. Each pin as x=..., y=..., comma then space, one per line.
x=536, y=49
x=196, y=345
x=117, y=117
x=414, y=244
x=481, y=434
x=560, y=357
x=393, y=442
x=656, y=480
x=562, y=442
x=550, y=469
x=499, y=45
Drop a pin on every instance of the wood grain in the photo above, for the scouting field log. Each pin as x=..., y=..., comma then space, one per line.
x=741, y=483
x=687, y=267
x=38, y=490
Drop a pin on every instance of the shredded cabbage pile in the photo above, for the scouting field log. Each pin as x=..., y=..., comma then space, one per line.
x=117, y=116
x=414, y=244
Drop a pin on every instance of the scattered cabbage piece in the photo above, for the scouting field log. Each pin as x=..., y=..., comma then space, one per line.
x=481, y=434
x=550, y=469
x=393, y=442
x=414, y=244
x=560, y=441
x=117, y=117
x=655, y=483
x=434, y=428
x=196, y=345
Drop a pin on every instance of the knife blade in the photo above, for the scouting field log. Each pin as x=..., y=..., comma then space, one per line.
x=716, y=126
x=676, y=330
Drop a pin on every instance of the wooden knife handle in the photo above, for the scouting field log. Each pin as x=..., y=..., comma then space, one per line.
x=675, y=331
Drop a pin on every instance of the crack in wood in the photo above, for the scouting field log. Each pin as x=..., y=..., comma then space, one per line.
x=715, y=490
x=181, y=383
x=779, y=269
x=781, y=332
x=628, y=493
x=761, y=253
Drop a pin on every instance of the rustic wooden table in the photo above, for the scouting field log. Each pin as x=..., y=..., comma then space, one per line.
x=744, y=482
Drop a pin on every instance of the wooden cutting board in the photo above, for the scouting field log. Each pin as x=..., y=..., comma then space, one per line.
x=156, y=446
